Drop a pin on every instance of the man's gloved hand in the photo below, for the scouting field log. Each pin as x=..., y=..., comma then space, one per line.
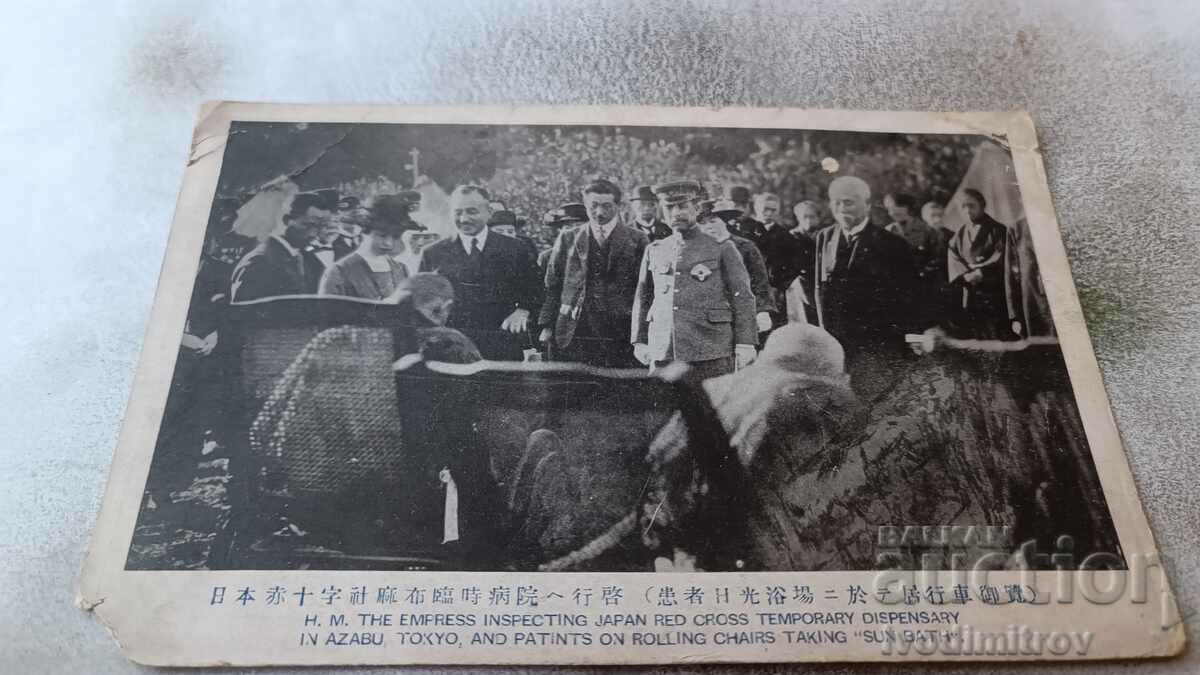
x=744, y=355
x=763, y=319
x=641, y=352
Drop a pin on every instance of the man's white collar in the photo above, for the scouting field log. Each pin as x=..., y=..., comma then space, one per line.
x=857, y=229
x=481, y=237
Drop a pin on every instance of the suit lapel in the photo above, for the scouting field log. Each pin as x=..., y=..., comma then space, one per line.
x=618, y=240
x=829, y=256
x=582, y=235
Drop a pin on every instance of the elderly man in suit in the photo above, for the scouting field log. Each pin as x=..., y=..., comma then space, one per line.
x=645, y=212
x=496, y=282
x=591, y=278
x=280, y=265
x=863, y=285
x=975, y=262
x=693, y=300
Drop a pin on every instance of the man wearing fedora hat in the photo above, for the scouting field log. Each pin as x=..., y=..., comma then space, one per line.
x=372, y=272
x=744, y=225
x=715, y=216
x=562, y=218
x=645, y=212
x=590, y=279
x=693, y=300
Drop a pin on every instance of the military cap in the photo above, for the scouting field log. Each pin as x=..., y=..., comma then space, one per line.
x=502, y=217
x=644, y=193
x=738, y=194
x=678, y=192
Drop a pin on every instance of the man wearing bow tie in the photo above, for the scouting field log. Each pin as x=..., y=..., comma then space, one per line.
x=693, y=300
x=645, y=212
x=496, y=283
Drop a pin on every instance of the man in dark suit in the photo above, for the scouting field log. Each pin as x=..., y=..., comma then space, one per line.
x=715, y=217
x=975, y=262
x=590, y=281
x=745, y=225
x=864, y=279
x=808, y=223
x=280, y=265
x=496, y=282
x=785, y=255
x=645, y=210
x=565, y=217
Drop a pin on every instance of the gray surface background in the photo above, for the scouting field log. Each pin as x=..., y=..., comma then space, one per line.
x=97, y=105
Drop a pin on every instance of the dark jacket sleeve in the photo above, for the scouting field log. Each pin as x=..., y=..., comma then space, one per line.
x=429, y=258
x=760, y=285
x=741, y=298
x=528, y=284
x=553, y=282
x=904, y=293
x=250, y=280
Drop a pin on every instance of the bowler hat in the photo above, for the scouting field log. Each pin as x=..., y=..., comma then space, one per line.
x=567, y=214
x=738, y=194
x=502, y=217
x=644, y=193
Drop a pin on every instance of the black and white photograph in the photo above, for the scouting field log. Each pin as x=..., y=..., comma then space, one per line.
x=590, y=347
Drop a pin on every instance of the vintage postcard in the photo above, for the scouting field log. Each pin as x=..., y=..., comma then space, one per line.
x=605, y=385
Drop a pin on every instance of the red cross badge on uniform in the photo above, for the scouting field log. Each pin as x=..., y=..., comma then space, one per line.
x=701, y=272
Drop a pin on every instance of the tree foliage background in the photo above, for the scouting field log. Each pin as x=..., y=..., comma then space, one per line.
x=536, y=168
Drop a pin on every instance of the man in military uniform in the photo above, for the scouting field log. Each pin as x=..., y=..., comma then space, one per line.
x=645, y=209
x=693, y=300
x=744, y=225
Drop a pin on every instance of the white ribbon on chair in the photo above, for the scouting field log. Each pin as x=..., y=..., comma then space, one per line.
x=450, y=520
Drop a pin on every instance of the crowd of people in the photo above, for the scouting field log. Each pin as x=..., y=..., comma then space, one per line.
x=668, y=274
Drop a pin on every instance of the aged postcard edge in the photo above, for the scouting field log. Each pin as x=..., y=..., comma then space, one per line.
x=104, y=562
